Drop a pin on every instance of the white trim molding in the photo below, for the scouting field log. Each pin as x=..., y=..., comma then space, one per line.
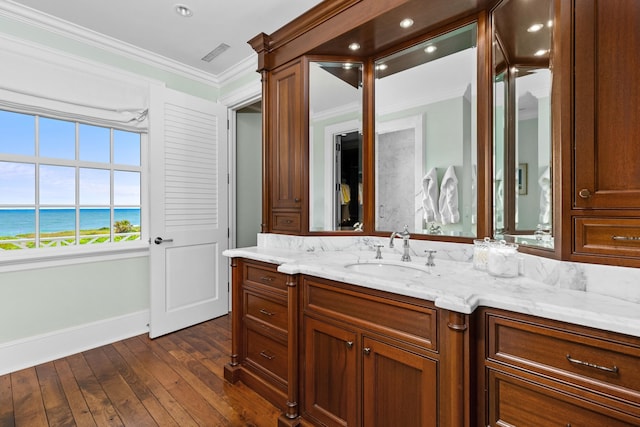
x=32, y=351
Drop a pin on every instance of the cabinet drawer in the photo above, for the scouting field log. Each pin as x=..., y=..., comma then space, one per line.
x=607, y=236
x=266, y=310
x=286, y=221
x=267, y=354
x=515, y=402
x=265, y=275
x=606, y=365
x=415, y=324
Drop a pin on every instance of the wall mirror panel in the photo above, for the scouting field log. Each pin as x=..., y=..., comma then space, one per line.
x=335, y=146
x=426, y=138
x=522, y=122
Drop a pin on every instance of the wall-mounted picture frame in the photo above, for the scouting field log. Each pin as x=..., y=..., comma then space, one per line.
x=522, y=176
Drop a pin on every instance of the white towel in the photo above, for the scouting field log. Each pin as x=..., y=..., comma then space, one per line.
x=430, y=196
x=545, y=196
x=449, y=197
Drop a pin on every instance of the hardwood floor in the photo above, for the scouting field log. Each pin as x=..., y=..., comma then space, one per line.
x=174, y=380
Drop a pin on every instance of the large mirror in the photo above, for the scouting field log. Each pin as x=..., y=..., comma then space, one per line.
x=335, y=146
x=522, y=122
x=425, y=136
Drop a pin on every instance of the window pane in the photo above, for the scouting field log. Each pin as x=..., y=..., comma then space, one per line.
x=57, y=185
x=17, y=133
x=94, y=225
x=126, y=148
x=17, y=181
x=57, y=138
x=95, y=186
x=126, y=188
x=17, y=223
x=94, y=144
x=57, y=220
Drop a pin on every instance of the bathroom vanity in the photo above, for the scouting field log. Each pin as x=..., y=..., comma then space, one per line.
x=511, y=119
x=332, y=336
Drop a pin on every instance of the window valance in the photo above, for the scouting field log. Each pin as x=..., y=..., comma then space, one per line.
x=39, y=81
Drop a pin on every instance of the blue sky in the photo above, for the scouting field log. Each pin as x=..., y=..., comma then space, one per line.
x=57, y=140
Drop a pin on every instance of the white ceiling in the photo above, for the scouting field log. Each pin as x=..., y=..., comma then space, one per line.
x=153, y=25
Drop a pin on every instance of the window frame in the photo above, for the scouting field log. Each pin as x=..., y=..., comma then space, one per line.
x=61, y=255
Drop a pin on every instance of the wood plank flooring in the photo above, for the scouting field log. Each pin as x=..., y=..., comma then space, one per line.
x=174, y=380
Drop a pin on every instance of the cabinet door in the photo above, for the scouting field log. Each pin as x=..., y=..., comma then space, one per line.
x=607, y=111
x=400, y=387
x=330, y=395
x=286, y=150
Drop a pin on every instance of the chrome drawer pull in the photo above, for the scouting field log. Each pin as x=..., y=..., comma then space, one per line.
x=265, y=312
x=592, y=365
x=625, y=237
x=266, y=356
x=266, y=279
x=349, y=344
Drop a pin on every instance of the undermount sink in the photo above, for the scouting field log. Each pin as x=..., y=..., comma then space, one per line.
x=387, y=269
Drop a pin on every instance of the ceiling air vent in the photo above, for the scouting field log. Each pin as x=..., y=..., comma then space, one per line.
x=215, y=52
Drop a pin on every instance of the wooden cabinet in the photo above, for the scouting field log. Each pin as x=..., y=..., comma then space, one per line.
x=286, y=148
x=545, y=373
x=264, y=344
x=606, y=155
x=368, y=361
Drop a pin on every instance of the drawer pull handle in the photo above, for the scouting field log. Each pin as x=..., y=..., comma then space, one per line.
x=584, y=193
x=367, y=350
x=265, y=312
x=266, y=279
x=349, y=344
x=613, y=370
x=266, y=355
x=625, y=237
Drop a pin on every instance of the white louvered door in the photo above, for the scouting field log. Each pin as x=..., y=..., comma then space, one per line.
x=189, y=212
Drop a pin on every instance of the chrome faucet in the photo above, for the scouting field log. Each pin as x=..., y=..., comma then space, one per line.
x=405, y=235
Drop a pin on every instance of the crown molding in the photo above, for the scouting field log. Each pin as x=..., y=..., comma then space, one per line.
x=29, y=16
x=241, y=69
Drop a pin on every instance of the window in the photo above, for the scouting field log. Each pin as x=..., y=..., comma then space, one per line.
x=67, y=183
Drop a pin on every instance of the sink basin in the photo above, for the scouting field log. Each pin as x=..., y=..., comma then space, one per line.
x=387, y=269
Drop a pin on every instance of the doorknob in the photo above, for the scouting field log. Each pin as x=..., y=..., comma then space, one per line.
x=159, y=240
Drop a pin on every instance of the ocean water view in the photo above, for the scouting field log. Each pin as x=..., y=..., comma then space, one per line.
x=14, y=222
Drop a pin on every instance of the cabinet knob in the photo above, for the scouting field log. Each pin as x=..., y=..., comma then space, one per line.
x=349, y=344
x=297, y=200
x=366, y=350
x=584, y=193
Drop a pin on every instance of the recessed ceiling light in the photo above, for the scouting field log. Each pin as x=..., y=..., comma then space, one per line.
x=541, y=52
x=347, y=65
x=430, y=49
x=183, y=10
x=354, y=46
x=406, y=23
x=382, y=67
x=550, y=23
x=535, y=28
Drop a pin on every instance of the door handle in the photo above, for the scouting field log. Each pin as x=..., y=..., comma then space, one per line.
x=159, y=240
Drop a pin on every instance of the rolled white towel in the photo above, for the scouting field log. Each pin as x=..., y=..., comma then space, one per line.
x=545, y=196
x=430, y=196
x=448, y=203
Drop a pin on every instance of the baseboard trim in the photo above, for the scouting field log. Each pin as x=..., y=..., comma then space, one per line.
x=32, y=351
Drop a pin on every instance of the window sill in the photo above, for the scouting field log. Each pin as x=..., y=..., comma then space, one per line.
x=28, y=259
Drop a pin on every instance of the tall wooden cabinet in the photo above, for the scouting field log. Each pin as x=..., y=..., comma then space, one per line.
x=286, y=148
x=606, y=151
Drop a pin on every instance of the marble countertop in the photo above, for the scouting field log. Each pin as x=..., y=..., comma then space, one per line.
x=457, y=286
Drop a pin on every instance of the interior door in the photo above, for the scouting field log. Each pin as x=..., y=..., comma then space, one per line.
x=189, y=212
